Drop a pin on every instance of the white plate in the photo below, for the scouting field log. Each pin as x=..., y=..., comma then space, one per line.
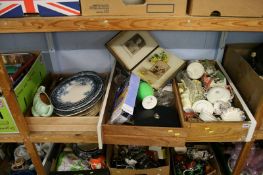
x=218, y=94
x=203, y=106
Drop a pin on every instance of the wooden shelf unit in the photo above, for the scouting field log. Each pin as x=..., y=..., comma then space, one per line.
x=71, y=24
x=11, y=138
x=82, y=23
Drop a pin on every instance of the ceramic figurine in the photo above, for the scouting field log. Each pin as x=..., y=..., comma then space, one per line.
x=42, y=105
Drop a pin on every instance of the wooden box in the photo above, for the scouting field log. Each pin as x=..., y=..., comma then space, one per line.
x=249, y=84
x=220, y=131
x=163, y=170
x=138, y=135
x=128, y=8
x=53, y=158
x=74, y=128
x=238, y=8
x=214, y=162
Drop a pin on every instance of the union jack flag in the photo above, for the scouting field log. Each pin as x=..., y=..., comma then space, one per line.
x=17, y=8
x=11, y=8
x=58, y=7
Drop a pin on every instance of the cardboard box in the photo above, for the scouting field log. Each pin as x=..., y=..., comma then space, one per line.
x=28, y=86
x=140, y=54
x=249, y=84
x=141, y=8
x=51, y=168
x=163, y=170
x=7, y=123
x=238, y=8
x=20, y=8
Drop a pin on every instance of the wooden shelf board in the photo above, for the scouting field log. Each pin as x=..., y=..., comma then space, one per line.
x=64, y=137
x=82, y=23
x=4, y=138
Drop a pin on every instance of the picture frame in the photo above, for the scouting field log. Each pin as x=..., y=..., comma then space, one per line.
x=131, y=47
x=139, y=53
x=157, y=71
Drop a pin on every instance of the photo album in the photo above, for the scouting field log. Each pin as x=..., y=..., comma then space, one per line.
x=140, y=54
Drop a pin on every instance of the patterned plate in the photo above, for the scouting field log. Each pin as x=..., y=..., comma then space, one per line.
x=77, y=92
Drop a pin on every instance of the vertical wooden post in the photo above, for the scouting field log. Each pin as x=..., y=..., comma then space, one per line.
x=242, y=158
x=6, y=87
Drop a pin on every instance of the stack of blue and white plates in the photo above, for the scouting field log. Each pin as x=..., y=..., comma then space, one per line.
x=77, y=93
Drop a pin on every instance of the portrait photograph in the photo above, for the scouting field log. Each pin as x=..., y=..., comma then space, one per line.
x=134, y=44
x=131, y=47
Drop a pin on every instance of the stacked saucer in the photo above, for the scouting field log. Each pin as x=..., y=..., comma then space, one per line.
x=77, y=93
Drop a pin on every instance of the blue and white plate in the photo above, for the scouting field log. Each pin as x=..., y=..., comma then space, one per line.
x=77, y=93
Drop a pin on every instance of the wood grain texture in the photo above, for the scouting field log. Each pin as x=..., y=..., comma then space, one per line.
x=259, y=134
x=64, y=137
x=144, y=140
x=142, y=135
x=81, y=23
x=32, y=151
x=242, y=159
x=10, y=138
x=62, y=123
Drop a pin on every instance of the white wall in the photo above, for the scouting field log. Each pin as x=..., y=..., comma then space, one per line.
x=76, y=51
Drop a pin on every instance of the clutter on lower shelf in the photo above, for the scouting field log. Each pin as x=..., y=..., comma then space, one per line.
x=17, y=161
x=131, y=159
x=195, y=159
x=82, y=158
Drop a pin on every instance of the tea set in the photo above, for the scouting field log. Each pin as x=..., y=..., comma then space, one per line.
x=204, y=92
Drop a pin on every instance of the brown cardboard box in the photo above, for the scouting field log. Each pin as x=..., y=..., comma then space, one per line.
x=164, y=170
x=242, y=8
x=213, y=162
x=147, y=8
x=249, y=84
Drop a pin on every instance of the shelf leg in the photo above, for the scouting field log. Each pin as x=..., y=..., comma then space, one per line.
x=32, y=151
x=242, y=158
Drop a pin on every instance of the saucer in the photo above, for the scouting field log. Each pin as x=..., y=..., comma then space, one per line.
x=203, y=106
x=218, y=94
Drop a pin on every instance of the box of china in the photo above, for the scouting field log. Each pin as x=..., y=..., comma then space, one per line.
x=80, y=125
x=214, y=130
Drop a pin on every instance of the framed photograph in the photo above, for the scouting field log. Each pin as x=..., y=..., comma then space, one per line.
x=158, y=67
x=131, y=47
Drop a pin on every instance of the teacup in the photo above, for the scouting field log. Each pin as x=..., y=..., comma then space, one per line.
x=42, y=105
